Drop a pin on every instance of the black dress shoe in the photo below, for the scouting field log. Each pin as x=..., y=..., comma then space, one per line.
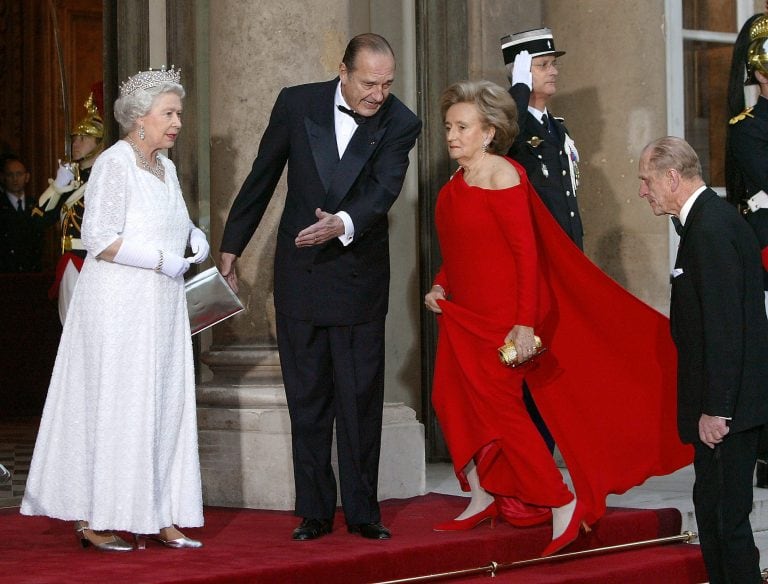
x=312, y=529
x=370, y=530
x=761, y=474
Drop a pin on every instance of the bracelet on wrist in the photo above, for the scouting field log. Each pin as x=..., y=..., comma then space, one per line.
x=159, y=266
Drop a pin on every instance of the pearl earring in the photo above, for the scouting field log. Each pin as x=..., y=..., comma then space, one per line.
x=141, y=132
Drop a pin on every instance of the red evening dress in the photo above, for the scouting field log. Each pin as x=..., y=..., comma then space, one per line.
x=606, y=386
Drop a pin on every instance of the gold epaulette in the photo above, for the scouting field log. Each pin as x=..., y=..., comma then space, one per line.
x=747, y=113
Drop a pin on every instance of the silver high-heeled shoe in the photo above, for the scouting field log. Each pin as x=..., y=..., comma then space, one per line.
x=5, y=475
x=178, y=543
x=113, y=544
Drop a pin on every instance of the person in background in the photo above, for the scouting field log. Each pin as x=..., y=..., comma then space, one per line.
x=719, y=325
x=21, y=232
x=119, y=427
x=64, y=201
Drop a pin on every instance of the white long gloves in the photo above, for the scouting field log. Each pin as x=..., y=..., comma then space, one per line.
x=521, y=69
x=143, y=256
x=199, y=246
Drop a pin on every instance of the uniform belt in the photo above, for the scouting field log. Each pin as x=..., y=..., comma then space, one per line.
x=758, y=201
x=70, y=243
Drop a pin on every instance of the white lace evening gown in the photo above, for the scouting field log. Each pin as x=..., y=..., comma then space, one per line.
x=117, y=444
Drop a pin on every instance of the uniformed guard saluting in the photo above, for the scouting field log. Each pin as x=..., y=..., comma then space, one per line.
x=543, y=145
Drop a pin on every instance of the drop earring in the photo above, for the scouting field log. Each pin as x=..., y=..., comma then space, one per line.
x=141, y=132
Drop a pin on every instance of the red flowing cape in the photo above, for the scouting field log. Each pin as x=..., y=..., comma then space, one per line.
x=606, y=386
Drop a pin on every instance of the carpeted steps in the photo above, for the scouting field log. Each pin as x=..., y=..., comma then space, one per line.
x=244, y=545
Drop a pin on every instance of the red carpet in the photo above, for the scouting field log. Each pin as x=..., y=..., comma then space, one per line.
x=246, y=546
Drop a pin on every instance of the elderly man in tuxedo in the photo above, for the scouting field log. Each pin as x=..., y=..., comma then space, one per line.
x=719, y=326
x=346, y=144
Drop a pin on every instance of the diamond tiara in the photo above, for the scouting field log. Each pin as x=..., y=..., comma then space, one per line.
x=151, y=78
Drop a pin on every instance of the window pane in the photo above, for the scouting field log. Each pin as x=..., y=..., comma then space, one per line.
x=714, y=15
x=706, y=67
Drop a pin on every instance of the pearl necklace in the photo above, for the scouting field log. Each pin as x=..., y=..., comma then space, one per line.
x=158, y=169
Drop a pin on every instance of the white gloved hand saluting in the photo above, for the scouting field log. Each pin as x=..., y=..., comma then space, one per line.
x=64, y=176
x=199, y=246
x=521, y=69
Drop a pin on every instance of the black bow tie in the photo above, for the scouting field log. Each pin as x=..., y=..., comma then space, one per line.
x=359, y=119
x=678, y=225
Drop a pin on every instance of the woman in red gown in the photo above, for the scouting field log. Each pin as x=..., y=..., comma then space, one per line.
x=497, y=284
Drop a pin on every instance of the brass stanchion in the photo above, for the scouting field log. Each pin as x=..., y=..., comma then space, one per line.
x=494, y=567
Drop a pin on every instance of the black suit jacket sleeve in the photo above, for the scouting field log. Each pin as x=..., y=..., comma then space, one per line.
x=384, y=180
x=716, y=270
x=257, y=190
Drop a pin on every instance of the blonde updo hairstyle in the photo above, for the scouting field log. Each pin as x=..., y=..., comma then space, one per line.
x=496, y=107
x=131, y=107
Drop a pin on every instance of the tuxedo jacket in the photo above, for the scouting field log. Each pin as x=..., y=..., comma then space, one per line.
x=21, y=237
x=330, y=284
x=749, y=142
x=546, y=160
x=718, y=320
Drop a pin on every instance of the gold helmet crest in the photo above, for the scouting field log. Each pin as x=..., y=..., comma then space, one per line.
x=91, y=124
x=757, y=54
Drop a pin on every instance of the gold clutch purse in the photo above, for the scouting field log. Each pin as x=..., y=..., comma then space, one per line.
x=508, y=353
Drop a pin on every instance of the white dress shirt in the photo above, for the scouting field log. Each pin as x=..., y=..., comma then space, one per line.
x=345, y=125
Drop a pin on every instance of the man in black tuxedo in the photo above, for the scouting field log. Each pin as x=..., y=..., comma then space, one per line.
x=21, y=233
x=346, y=144
x=718, y=322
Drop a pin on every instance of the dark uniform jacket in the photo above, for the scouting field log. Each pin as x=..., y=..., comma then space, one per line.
x=718, y=320
x=749, y=142
x=546, y=159
x=69, y=217
x=21, y=237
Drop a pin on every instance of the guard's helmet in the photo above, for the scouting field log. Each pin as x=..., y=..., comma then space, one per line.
x=757, y=54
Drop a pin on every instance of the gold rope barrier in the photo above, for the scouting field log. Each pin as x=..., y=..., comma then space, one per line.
x=494, y=567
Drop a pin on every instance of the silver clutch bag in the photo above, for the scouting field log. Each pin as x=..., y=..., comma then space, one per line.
x=210, y=300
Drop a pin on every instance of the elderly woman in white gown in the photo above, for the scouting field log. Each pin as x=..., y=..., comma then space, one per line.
x=117, y=446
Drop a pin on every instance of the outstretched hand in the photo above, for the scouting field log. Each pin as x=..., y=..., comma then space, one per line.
x=326, y=228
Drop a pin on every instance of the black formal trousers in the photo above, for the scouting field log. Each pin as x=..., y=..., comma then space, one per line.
x=334, y=373
x=722, y=498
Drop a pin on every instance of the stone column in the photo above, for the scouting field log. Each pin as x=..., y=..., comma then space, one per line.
x=244, y=429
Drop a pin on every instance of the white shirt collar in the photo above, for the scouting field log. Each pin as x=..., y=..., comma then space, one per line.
x=537, y=113
x=686, y=208
x=14, y=199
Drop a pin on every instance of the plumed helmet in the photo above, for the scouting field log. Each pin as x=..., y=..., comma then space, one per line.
x=91, y=124
x=757, y=54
